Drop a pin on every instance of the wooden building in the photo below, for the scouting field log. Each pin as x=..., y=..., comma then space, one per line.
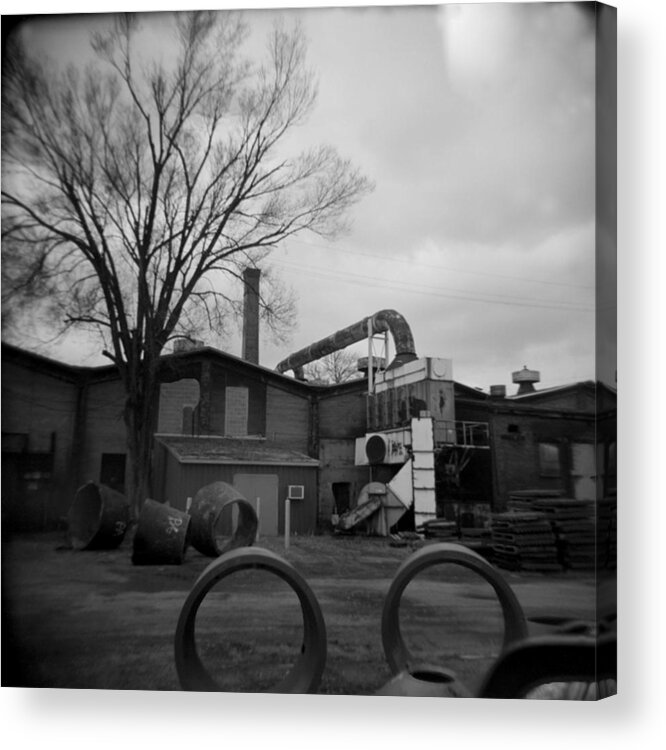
x=265, y=473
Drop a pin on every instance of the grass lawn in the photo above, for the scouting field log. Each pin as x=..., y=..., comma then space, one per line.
x=74, y=619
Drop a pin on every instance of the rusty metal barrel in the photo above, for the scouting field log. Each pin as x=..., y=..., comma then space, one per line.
x=161, y=536
x=97, y=518
x=211, y=528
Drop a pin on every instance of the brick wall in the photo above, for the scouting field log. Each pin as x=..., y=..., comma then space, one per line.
x=287, y=418
x=515, y=447
x=236, y=411
x=342, y=415
x=174, y=397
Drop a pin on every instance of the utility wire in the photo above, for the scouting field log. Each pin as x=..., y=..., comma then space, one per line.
x=389, y=259
x=360, y=279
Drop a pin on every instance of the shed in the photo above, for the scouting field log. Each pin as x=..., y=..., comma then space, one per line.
x=256, y=467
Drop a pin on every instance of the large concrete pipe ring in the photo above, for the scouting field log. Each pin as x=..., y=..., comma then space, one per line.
x=395, y=650
x=97, y=518
x=207, y=512
x=305, y=675
x=161, y=536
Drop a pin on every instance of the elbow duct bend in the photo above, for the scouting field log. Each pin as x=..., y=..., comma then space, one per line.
x=384, y=320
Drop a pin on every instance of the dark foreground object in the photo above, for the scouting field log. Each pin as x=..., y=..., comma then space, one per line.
x=97, y=518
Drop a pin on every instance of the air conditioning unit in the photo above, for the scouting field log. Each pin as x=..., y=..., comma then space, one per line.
x=380, y=448
x=296, y=492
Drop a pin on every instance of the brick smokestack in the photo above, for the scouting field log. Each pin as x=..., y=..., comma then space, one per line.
x=251, y=315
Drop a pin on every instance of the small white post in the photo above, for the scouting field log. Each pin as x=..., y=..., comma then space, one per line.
x=287, y=522
x=258, y=516
x=188, y=503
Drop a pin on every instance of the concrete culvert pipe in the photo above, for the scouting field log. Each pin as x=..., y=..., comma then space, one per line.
x=161, y=536
x=212, y=530
x=306, y=673
x=97, y=518
x=396, y=652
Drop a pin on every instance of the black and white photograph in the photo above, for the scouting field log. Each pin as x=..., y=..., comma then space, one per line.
x=309, y=351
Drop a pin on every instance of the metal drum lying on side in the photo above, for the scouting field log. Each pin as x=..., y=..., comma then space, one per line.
x=97, y=518
x=211, y=530
x=161, y=536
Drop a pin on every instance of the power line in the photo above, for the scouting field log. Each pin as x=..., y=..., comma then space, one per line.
x=438, y=267
x=359, y=279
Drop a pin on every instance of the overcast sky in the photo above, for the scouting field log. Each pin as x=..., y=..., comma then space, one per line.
x=477, y=125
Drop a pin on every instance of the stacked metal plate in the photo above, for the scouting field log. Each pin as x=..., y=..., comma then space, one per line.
x=574, y=526
x=521, y=500
x=439, y=528
x=524, y=540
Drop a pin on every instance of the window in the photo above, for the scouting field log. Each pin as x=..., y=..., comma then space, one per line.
x=549, y=460
x=513, y=428
x=236, y=407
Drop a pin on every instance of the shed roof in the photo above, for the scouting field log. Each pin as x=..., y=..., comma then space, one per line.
x=222, y=450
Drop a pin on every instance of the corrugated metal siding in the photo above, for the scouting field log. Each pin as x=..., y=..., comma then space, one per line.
x=184, y=480
x=287, y=419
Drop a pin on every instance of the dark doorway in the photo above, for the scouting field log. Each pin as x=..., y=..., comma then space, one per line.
x=112, y=473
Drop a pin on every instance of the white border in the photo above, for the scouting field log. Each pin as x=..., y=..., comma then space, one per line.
x=72, y=719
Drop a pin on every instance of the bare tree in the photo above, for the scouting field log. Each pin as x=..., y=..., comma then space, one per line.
x=338, y=367
x=133, y=189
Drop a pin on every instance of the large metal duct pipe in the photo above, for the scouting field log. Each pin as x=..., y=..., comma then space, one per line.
x=384, y=320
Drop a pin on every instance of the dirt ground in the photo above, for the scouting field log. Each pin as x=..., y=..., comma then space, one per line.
x=77, y=619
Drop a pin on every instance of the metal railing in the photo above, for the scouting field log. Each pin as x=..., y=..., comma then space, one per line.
x=465, y=434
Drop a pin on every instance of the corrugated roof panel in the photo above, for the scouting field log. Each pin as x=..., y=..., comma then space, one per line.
x=223, y=450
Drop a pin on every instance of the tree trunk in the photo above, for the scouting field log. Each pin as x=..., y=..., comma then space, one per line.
x=141, y=422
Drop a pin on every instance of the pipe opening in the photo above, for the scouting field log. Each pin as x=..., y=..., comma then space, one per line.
x=432, y=675
x=84, y=516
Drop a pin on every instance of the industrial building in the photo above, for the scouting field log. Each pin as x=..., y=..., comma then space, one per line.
x=435, y=448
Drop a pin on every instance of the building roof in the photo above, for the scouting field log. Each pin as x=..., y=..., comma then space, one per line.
x=222, y=450
x=174, y=365
x=555, y=390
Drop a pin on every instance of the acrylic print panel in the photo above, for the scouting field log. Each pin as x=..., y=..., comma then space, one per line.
x=380, y=242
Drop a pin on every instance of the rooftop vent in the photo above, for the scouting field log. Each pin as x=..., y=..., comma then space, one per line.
x=498, y=391
x=526, y=379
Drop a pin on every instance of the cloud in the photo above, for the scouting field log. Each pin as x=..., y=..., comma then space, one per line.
x=477, y=123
